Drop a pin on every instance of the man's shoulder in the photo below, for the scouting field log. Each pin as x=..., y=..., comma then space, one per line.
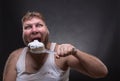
x=13, y=57
x=16, y=52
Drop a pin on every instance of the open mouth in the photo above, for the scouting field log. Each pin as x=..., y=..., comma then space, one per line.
x=39, y=39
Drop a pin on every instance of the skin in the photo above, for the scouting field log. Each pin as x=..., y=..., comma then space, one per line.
x=66, y=55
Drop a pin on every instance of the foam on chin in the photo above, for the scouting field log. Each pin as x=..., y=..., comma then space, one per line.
x=36, y=46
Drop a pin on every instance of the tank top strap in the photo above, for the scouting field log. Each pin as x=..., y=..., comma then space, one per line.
x=21, y=59
x=52, y=47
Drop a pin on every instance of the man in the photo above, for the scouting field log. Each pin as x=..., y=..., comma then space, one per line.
x=22, y=65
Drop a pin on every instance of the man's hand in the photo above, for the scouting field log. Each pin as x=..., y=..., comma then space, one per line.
x=65, y=50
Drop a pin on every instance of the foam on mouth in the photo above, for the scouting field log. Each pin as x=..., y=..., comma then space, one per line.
x=35, y=44
x=37, y=47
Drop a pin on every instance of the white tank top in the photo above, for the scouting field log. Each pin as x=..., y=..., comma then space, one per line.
x=48, y=72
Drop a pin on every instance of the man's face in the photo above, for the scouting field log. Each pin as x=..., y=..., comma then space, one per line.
x=34, y=28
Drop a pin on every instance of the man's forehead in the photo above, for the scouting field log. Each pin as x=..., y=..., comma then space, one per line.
x=34, y=20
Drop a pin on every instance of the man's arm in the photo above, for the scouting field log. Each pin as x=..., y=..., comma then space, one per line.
x=87, y=64
x=10, y=67
x=82, y=62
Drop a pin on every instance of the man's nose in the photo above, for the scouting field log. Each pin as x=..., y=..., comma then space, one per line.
x=34, y=30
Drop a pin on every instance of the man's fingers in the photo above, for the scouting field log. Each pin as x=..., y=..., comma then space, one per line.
x=57, y=56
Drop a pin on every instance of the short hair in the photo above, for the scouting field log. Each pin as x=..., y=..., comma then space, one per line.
x=29, y=15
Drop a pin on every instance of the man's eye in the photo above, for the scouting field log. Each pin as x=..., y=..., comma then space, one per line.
x=39, y=25
x=27, y=27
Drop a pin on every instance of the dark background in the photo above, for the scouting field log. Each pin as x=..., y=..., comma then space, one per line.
x=92, y=26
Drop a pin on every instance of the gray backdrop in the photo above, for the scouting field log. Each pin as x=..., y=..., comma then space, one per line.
x=90, y=25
